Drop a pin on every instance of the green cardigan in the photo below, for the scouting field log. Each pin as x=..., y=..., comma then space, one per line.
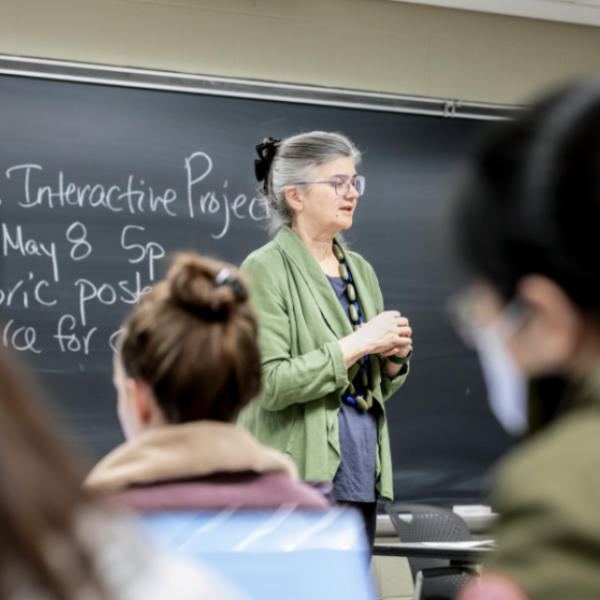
x=304, y=374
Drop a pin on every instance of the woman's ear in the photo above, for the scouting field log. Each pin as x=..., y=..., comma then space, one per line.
x=143, y=403
x=551, y=335
x=294, y=199
x=138, y=400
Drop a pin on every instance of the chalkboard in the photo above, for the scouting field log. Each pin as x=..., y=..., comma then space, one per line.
x=100, y=185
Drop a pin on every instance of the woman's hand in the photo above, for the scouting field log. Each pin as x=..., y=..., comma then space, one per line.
x=386, y=334
x=391, y=368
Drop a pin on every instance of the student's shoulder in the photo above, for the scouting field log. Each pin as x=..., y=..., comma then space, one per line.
x=554, y=462
x=546, y=493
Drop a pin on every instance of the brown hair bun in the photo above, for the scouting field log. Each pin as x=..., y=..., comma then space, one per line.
x=194, y=286
x=193, y=339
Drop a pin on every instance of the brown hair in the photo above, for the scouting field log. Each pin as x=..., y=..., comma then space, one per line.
x=40, y=495
x=193, y=339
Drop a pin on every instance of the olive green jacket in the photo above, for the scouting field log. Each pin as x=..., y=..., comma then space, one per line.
x=304, y=374
x=548, y=495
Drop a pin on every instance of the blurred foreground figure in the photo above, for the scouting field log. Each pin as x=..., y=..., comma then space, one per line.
x=528, y=229
x=55, y=541
x=188, y=363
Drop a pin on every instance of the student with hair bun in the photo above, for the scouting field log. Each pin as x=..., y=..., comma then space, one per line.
x=188, y=362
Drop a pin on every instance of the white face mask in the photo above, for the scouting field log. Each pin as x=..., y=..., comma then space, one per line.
x=506, y=384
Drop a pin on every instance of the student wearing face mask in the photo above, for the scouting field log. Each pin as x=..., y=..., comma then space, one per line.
x=528, y=224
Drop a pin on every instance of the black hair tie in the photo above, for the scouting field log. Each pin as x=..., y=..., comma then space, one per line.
x=262, y=166
x=225, y=277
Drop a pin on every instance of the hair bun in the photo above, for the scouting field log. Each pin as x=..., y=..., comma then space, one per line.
x=262, y=166
x=194, y=286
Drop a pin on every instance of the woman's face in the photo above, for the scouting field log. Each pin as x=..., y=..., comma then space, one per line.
x=318, y=207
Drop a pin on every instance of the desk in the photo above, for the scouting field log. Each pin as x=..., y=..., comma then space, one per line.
x=461, y=559
x=456, y=555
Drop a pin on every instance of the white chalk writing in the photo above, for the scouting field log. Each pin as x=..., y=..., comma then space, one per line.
x=69, y=277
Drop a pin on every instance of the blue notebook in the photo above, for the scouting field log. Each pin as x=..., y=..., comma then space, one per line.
x=283, y=554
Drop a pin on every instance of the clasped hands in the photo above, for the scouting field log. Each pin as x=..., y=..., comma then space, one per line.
x=387, y=334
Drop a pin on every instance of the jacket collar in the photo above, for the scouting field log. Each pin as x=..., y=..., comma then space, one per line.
x=185, y=451
x=551, y=398
x=317, y=282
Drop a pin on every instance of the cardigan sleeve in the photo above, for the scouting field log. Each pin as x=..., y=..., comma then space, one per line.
x=389, y=386
x=287, y=380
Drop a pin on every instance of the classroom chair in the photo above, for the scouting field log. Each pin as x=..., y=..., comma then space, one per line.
x=433, y=578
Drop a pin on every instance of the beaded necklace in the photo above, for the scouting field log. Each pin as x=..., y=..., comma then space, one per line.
x=364, y=401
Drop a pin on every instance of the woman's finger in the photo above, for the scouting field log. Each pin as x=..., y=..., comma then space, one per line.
x=390, y=352
x=400, y=331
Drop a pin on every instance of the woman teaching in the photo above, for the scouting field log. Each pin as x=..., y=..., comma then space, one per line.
x=331, y=355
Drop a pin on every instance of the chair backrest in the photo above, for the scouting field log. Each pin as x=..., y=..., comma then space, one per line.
x=423, y=523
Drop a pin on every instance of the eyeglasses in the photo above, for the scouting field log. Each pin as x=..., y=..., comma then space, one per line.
x=342, y=184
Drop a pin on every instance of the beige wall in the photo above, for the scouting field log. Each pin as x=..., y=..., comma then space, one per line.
x=361, y=44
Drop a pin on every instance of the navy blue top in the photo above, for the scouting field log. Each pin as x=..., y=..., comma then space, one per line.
x=354, y=480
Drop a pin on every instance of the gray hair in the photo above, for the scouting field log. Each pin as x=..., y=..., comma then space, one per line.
x=295, y=161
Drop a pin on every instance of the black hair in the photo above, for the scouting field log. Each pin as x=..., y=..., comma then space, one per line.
x=530, y=201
